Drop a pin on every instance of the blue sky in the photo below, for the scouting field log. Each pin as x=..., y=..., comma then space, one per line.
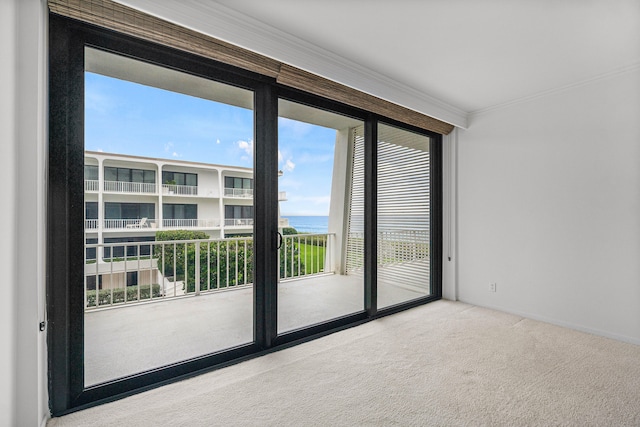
x=129, y=118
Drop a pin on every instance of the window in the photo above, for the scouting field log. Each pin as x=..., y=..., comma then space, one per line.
x=129, y=210
x=129, y=175
x=132, y=248
x=234, y=182
x=180, y=178
x=91, y=282
x=364, y=182
x=238, y=212
x=91, y=172
x=91, y=210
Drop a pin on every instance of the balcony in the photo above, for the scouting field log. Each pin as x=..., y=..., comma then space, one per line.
x=177, y=311
x=91, y=185
x=282, y=196
x=144, y=224
x=179, y=190
x=238, y=222
x=129, y=224
x=240, y=193
x=130, y=187
x=190, y=223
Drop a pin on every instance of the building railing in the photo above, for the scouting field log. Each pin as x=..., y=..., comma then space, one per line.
x=305, y=255
x=190, y=223
x=91, y=224
x=129, y=223
x=282, y=196
x=394, y=248
x=238, y=192
x=130, y=187
x=92, y=185
x=118, y=274
x=180, y=190
x=238, y=222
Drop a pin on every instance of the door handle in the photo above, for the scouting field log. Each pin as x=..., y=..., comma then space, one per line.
x=280, y=238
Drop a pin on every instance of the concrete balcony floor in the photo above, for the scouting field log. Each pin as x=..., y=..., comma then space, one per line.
x=130, y=339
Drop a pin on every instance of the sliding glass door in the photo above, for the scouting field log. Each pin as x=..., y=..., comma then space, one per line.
x=314, y=150
x=200, y=214
x=169, y=231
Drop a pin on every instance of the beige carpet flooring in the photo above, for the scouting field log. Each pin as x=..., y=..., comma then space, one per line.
x=442, y=364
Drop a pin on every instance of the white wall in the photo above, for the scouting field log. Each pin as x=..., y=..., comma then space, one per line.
x=8, y=318
x=549, y=208
x=23, y=398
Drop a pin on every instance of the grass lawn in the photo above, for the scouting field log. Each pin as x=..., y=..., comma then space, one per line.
x=312, y=257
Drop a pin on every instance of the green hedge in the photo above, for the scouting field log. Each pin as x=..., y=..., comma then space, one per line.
x=104, y=295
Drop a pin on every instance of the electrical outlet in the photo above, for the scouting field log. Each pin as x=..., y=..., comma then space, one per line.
x=492, y=287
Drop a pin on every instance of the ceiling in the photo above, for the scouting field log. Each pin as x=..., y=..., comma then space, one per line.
x=446, y=58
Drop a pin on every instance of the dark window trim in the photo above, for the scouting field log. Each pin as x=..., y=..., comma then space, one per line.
x=131, y=170
x=65, y=238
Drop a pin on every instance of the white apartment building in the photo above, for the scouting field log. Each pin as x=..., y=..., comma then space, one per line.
x=129, y=198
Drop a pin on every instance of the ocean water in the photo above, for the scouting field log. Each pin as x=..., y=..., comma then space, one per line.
x=309, y=224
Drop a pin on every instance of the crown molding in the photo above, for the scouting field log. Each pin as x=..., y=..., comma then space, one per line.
x=219, y=21
x=549, y=92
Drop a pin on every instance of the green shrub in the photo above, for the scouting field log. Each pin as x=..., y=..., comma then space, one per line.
x=166, y=264
x=287, y=231
x=104, y=295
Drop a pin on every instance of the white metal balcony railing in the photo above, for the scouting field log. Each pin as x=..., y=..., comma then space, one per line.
x=129, y=223
x=91, y=224
x=238, y=222
x=92, y=185
x=238, y=192
x=394, y=247
x=126, y=273
x=180, y=190
x=130, y=187
x=190, y=223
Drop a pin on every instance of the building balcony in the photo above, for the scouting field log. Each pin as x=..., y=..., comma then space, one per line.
x=238, y=222
x=91, y=185
x=145, y=224
x=283, y=222
x=129, y=187
x=179, y=190
x=240, y=193
x=215, y=292
x=190, y=223
x=282, y=196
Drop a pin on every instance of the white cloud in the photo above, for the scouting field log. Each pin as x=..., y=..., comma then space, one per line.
x=218, y=141
x=100, y=150
x=280, y=156
x=246, y=146
x=289, y=165
x=175, y=154
x=168, y=146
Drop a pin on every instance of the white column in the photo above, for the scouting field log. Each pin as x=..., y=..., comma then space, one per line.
x=339, y=205
x=101, y=210
x=221, y=202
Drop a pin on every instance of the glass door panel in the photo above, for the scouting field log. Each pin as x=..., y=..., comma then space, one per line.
x=315, y=154
x=403, y=234
x=160, y=248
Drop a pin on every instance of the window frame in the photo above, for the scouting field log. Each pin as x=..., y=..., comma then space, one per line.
x=66, y=209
